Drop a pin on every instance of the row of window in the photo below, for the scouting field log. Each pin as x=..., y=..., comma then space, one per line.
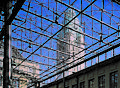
x=101, y=82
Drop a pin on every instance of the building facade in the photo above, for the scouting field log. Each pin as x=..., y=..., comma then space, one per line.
x=75, y=42
x=105, y=74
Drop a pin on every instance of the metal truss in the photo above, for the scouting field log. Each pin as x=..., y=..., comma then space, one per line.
x=36, y=35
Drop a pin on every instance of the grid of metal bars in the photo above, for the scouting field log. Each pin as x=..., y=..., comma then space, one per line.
x=36, y=28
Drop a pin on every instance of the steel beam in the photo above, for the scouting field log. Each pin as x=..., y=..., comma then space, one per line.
x=42, y=47
x=15, y=10
x=7, y=48
x=11, y=17
x=63, y=26
x=86, y=14
x=53, y=37
x=116, y=1
x=32, y=60
x=61, y=40
x=6, y=32
x=37, y=54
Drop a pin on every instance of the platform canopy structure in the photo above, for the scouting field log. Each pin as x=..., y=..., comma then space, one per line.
x=36, y=26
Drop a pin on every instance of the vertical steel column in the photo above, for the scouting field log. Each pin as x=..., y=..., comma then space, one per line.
x=7, y=46
x=57, y=84
x=63, y=79
x=77, y=81
x=35, y=85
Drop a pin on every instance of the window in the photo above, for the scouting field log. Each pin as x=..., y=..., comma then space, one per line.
x=91, y=83
x=74, y=86
x=82, y=84
x=114, y=80
x=101, y=81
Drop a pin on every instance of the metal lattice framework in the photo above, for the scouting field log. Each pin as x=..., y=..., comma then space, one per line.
x=36, y=28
